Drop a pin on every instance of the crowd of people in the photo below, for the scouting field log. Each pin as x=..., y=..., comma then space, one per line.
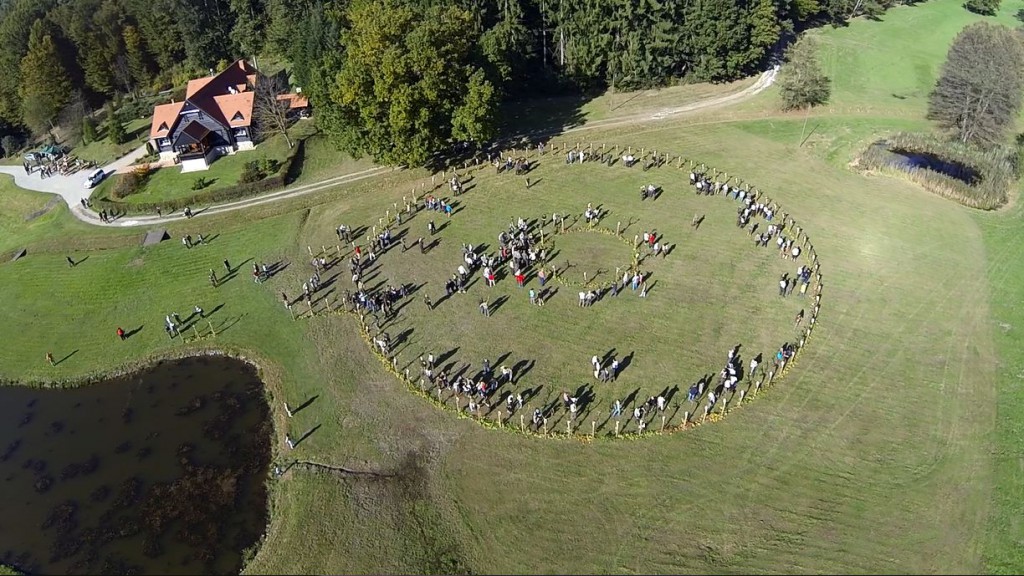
x=522, y=255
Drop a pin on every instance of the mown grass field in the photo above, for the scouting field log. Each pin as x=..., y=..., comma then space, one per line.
x=893, y=445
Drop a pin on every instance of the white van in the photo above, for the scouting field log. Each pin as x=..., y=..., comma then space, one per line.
x=94, y=179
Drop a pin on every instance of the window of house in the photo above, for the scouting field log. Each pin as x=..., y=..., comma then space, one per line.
x=237, y=116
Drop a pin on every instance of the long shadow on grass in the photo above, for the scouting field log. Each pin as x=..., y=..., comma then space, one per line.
x=133, y=332
x=305, y=404
x=66, y=357
x=228, y=323
x=307, y=434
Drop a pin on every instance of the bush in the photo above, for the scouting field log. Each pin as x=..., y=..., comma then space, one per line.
x=125, y=185
x=991, y=172
x=983, y=7
x=130, y=183
x=150, y=151
x=10, y=144
x=200, y=183
x=251, y=172
x=269, y=166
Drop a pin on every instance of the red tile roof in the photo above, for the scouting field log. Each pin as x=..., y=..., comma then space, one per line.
x=165, y=116
x=236, y=108
x=294, y=100
x=213, y=95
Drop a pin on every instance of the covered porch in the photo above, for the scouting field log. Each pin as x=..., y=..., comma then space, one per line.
x=195, y=147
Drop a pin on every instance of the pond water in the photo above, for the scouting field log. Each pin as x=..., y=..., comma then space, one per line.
x=907, y=160
x=162, y=471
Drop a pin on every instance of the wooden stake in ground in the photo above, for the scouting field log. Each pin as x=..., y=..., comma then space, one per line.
x=522, y=423
x=310, y=250
x=686, y=418
x=593, y=428
x=618, y=227
x=662, y=422
x=616, y=427
x=499, y=418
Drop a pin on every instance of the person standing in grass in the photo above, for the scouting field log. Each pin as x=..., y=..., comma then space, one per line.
x=49, y=358
x=71, y=263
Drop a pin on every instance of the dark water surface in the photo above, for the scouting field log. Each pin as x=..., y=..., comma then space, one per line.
x=159, y=472
x=908, y=160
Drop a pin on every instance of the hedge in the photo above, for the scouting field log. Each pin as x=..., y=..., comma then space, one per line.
x=277, y=181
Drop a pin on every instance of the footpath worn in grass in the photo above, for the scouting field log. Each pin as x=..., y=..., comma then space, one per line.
x=869, y=456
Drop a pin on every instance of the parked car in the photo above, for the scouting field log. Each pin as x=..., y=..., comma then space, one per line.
x=94, y=178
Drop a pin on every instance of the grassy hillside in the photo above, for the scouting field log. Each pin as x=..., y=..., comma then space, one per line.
x=893, y=446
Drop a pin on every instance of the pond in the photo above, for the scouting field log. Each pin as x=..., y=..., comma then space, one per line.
x=908, y=160
x=162, y=471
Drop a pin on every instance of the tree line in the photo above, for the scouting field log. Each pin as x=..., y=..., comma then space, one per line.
x=414, y=72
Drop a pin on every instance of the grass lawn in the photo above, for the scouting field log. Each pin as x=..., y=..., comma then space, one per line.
x=320, y=160
x=893, y=446
x=852, y=457
x=103, y=151
x=568, y=111
x=890, y=67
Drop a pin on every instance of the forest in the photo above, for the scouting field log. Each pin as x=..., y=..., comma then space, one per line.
x=377, y=69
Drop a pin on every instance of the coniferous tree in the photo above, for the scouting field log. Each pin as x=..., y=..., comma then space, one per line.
x=114, y=124
x=801, y=81
x=45, y=85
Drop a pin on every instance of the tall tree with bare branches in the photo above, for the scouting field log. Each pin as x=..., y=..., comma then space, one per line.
x=269, y=111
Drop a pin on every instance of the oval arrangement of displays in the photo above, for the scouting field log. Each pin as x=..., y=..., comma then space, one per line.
x=532, y=261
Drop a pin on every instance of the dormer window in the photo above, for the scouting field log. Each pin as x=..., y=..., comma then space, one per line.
x=238, y=116
x=163, y=126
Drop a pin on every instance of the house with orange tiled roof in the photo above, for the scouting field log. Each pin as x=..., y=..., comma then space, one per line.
x=214, y=119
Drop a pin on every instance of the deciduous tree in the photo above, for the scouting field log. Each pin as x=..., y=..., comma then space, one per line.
x=403, y=77
x=269, y=111
x=978, y=93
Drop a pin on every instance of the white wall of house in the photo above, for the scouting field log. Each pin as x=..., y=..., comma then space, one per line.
x=200, y=164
